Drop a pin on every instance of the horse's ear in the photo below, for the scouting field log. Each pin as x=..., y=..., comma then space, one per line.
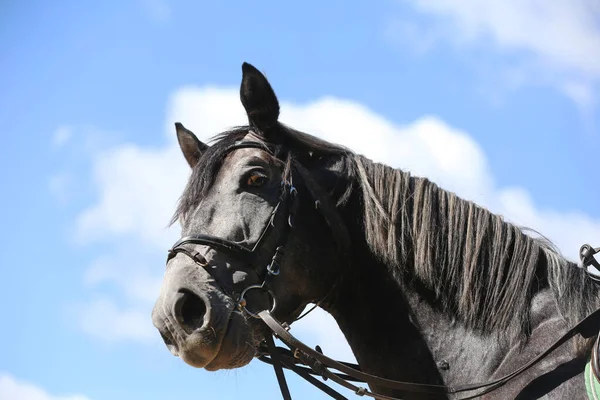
x=258, y=99
x=191, y=147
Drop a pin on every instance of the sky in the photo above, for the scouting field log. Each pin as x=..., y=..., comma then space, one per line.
x=497, y=101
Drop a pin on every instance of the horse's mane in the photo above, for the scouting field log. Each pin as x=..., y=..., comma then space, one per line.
x=479, y=268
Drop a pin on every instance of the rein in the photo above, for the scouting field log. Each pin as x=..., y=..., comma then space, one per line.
x=300, y=355
x=320, y=364
x=303, y=360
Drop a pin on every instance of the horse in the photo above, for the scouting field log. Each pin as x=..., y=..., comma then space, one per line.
x=426, y=287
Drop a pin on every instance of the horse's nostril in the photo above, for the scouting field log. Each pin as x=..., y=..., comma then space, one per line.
x=190, y=310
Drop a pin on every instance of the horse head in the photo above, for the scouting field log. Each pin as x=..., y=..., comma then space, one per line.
x=249, y=215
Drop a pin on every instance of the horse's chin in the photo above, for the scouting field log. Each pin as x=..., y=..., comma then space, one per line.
x=237, y=348
x=238, y=359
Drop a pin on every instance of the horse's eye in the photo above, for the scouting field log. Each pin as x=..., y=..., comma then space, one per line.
x=256, y=179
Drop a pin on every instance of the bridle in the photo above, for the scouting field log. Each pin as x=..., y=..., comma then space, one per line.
x=287, y=202
x=300, y=358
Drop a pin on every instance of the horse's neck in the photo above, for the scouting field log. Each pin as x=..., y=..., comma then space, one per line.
x=373, y=315
x=466, y=355
x=371, y=310
x=396, y=331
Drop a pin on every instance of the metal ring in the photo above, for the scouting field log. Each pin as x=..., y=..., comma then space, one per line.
x=242, y=301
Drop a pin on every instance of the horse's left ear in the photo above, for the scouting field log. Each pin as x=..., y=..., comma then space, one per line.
x=191, y=147
x=258, y=99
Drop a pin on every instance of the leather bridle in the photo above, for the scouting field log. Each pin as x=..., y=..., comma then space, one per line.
x=321, y=365
x=307, y=362
x=288, y=202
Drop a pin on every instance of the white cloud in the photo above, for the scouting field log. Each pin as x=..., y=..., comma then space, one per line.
x=130, y=272
x=564, y=33
x=559, y=39
x=427, y=147
x=107, y=321
x=138, y=188
x=220, y=110
x=13, y=389
x=567, y=229
x=319, y=328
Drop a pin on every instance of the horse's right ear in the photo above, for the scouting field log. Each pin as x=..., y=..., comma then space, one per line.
x=191, y=147
x=258, y=99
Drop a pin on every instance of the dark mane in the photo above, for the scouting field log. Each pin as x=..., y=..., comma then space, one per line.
x=481, y=269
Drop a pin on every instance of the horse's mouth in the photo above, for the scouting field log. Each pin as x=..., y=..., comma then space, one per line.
x=235, y=347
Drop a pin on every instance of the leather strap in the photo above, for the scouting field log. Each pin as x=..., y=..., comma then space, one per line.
x=214, y=242
x=586, y=255
x=316, y=360
x=277, y=366
x=290, y=363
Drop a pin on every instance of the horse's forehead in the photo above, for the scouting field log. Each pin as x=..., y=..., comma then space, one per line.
x=251, y=137
x=240, y=156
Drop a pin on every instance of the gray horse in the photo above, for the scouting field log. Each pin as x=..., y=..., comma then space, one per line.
x=426, y=287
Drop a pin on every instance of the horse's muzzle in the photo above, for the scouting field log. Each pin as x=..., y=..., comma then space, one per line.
x=191, y=314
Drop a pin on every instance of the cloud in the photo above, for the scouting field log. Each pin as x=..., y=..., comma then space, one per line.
x=428, y=147
x=319, y=328
x=11, y=388
x=130, y=272
x=565, y=34
x=567, y=229
x=556, y=41
x=138, y=188
x=105, y=320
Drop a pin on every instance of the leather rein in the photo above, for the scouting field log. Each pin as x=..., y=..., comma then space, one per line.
x=308, y=362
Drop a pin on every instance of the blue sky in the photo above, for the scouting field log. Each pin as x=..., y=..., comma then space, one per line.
x=497, y=100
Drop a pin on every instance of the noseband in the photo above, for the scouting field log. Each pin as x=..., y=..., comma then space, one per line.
x=300, y=356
